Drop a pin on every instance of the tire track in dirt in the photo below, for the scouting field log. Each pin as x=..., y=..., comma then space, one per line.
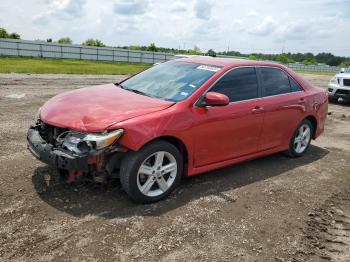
x=327, y=235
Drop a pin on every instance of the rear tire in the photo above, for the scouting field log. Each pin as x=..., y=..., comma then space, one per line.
x=152, y=173
x=301, y=139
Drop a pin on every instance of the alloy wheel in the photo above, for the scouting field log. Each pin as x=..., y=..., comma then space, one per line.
x=156, y=174
x=302, y=139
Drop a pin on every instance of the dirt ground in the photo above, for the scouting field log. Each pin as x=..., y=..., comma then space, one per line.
x=271, y=209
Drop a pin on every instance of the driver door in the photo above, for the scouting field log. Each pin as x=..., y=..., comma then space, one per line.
x=231, y=131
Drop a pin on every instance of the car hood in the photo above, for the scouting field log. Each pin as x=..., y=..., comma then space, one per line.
x=95, y=108
x=343, y=75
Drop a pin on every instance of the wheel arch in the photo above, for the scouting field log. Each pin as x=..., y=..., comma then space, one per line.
x=313, y=121
x=178, y=143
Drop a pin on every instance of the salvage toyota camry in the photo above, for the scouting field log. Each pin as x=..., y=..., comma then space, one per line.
x=179, y=118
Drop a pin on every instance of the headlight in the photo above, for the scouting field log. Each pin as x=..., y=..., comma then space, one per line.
x=83, y=143
x=334, y=81
x=103, y=140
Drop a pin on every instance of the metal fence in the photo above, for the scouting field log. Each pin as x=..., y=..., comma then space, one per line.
x=24, y=48
x=299, y=67
x=313, y=68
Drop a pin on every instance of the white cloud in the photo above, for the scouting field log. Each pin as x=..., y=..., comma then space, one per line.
x=246, y=26
x=63, y=9
x=252, y=13
x=178, y=6
x=302, y=29
x=203, y=8
x=237, y=22
x=131, y=7
x=266, y=27
x=206, y=29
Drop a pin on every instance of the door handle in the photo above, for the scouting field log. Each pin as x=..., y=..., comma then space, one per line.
x=257, y=109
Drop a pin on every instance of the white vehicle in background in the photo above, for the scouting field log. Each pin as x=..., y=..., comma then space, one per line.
x=339, y=86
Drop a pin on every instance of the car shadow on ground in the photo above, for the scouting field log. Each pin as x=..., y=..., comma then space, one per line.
x=110, y=201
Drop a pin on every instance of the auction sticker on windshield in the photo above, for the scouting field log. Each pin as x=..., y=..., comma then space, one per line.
x=209, y=68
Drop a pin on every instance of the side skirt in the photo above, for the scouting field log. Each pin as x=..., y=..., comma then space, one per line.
x=203, y=169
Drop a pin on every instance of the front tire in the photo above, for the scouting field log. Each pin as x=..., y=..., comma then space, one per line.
x=301, y=139
x=151, y=173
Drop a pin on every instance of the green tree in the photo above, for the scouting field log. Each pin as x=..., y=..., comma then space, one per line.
x=152, y=47
x=194, y=51
x=92, y=42
x=65, y=40
x=252, y=57
x=49, y=40
x=14, y=36
x=99, y=43
x=134, y=47
x=335, y=61
x=310, y=61
x=284, y=59
x=5, y=34
x=346, y=63
x=211, y=52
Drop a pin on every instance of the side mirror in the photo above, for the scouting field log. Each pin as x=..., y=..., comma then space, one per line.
x=215, y=99
x=342, y=70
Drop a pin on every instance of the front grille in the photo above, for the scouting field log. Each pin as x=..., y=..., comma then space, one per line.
x=346, y=82
x=343, y=92
x=49, y=133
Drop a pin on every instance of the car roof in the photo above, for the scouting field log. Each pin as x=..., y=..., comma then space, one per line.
x=227, y=62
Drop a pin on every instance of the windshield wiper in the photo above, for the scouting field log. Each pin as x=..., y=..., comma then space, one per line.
x=136, y=91
x=119, y=84
x=140, y=92
x=132, y=90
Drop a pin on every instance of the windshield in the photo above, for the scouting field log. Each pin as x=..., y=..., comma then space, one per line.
x=347, y=70
x=173, y=81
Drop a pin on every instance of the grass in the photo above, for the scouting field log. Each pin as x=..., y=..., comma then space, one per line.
x=67, y=66
x=316, y=73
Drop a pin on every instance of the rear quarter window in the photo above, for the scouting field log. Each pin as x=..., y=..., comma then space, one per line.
x=294, y=86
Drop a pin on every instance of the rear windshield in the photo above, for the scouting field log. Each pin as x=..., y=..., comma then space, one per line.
x=172, y=81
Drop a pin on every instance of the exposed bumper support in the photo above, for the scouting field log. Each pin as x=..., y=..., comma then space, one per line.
x=52, y=156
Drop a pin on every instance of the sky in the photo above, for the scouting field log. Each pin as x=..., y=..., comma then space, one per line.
x=266, y=26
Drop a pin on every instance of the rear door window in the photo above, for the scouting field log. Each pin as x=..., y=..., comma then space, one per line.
x=274, y=81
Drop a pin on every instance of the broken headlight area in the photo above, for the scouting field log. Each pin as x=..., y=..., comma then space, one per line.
x=82, y=143
x=76, y=142
x=76, y=153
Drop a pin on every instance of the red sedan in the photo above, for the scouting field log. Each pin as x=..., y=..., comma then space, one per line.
x=179, y=118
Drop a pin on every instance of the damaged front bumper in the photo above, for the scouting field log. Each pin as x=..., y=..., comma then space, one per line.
x=55, y=157
x=95, y=164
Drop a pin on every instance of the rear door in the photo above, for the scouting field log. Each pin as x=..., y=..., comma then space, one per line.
x=283, y=101
x=230, y=131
